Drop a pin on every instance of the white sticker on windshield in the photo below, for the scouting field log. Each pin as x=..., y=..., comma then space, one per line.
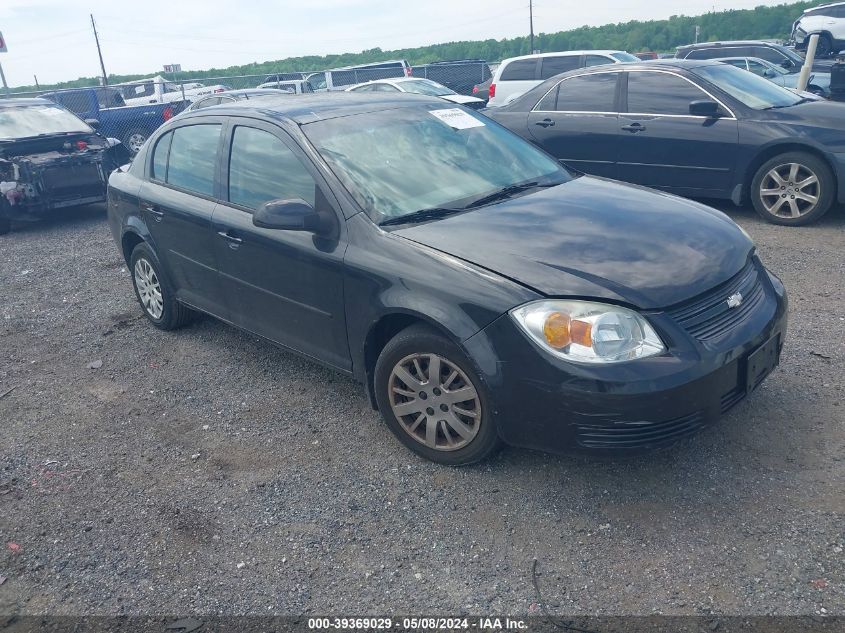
x=457, y=118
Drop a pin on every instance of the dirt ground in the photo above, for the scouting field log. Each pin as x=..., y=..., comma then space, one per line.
x=204, y=471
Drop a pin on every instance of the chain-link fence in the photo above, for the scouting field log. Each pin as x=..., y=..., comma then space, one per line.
x=132, y=111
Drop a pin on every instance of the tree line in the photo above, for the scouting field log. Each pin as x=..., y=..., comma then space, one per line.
x=762, y=22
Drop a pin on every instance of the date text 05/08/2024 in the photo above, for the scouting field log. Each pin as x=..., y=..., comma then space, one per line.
x=417, y=623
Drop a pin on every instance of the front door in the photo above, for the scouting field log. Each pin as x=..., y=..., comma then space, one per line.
x=286, y=286
x=662, y=145
x=578, y=122
x=177, y=203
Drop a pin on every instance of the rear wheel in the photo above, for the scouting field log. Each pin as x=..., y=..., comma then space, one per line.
x=793, y=189
x=154, y=292
x=134, y=140
x=432, y=399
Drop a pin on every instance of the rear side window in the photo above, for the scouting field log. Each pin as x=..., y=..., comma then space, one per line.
x=263, y=168
x=660, y=93
x=588, y=93
x=597, y=60
x=160, y=153
x=769, y=54
x=193, y=157
x=519, y=70
x=707, y=53
x=551, y=66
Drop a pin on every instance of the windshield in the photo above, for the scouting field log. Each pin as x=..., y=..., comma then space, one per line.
x=425, y=87
x=21, y=122
x=750, y=89
x=625, y=57
x=396, y=162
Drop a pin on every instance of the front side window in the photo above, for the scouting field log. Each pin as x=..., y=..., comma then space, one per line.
x=588, y=93
x=193, y=157
x=551, y=66
x=662, y=93
x=769, y=54
x=263, y=168
x=519, y=70
x=395, y=162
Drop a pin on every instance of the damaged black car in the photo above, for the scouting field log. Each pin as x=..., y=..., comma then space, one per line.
x=50, y=160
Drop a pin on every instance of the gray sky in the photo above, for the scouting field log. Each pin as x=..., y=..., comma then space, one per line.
x=53, y=38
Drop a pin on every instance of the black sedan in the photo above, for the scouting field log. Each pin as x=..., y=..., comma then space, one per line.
x=50, y=159
x=695, y=128
x=479, y=290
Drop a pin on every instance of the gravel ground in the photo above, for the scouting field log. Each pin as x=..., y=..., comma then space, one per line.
x=204, y=471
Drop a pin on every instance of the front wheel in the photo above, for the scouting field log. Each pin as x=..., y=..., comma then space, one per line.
x=432, y=399
x=793, y=189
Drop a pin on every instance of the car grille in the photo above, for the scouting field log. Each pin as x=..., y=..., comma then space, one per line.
x=637, y=434
x=708, y=317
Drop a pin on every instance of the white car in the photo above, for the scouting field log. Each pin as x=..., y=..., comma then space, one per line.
x=828, y=21
x=158, y=90
x=290, y=86
x=520, y=74
x=418, y=86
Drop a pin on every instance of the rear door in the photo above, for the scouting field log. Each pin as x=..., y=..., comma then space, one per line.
x=662, y=145
x=578, y=122
x=177, y=203
x=286, y=286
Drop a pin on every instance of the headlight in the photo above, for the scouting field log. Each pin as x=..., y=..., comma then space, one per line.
x=586, y=332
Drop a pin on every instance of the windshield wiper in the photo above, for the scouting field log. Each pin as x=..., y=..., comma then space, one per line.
x=507, y=192
x=421, y=216
x=789, y=105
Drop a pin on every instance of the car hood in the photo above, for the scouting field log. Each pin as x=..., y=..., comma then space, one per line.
x=597, y=238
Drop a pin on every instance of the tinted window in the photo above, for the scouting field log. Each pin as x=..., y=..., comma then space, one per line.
x=590, y=93
x=739, y=63
x=547, y=103
x=769, y=54
x=552, y=66
x=160, y=152
x=661, y=93
x=597, y=60
x=519, y=70
x=193, y=157
x=263, y=168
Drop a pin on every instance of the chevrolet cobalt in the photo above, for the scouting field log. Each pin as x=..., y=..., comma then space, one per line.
x=482, y=293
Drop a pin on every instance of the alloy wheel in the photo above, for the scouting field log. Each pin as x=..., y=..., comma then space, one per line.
x=135, y=142
x=790, y=190
x=434, y=401
x=149, y=288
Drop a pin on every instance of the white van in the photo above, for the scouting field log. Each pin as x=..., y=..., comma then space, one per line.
x=517, y=75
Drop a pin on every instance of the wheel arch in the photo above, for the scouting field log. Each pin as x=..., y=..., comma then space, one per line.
x=385, y=328
x=771, y=151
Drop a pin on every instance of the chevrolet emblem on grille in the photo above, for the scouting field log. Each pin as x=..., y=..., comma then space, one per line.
x=735, y=300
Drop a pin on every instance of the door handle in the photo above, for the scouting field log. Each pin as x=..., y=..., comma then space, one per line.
x=545, y=123
x=153, y=210
x=634, y=128
x=233, y=239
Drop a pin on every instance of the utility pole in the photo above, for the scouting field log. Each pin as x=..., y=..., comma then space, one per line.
x=531, y=23
x=99, y=52
x=36, y=82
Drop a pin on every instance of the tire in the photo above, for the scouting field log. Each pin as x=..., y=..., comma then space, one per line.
x=824, y=48
x=789, y=204
x=5, y=226
x=437, y=426
x=134, y=139
x=154, y=292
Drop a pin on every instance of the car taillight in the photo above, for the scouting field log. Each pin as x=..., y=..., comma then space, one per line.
x=167, y=114
x=81, y=145
x=409, y=71
x=492, y=90
x=474, y=89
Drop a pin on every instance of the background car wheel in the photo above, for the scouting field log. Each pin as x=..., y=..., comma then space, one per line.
x=432, y=399
x=153, y=291
x=793, y=189
x=5, y=226
x=134, y=139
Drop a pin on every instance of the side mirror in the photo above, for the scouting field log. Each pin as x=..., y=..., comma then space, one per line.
x=94, y=123
x=768, y=73
x=705, y=107
x=287, y=215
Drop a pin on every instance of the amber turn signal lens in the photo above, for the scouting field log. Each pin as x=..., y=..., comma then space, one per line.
x=556, y=330
x=581, y=333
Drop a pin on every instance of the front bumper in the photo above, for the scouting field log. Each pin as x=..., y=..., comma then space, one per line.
x=545, y=403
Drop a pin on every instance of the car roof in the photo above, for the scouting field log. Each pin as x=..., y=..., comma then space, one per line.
x=24, y=101
x=245, y=91
x=562, y=53
x=729, y=43
x=824, y=6
x=320, y=106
